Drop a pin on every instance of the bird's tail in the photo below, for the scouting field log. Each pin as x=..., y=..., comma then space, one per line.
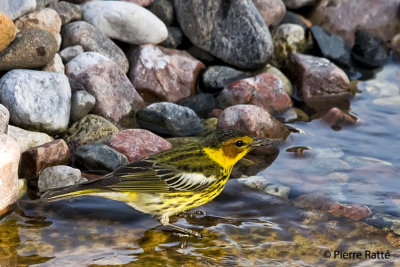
x=60, y=193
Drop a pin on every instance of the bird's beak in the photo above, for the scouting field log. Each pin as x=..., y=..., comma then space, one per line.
x=264, y=142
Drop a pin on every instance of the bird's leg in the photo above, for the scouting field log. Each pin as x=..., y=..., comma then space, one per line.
x=164, y=220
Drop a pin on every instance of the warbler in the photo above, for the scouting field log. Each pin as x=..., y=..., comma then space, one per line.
x=172, y=181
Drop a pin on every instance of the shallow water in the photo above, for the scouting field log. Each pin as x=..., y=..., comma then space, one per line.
x=357, y=164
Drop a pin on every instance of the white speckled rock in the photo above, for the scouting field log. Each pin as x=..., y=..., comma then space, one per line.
x=113, y=18
x=9, y=160
x=4, y=118
x=81, y=104
x=58, y=176
x=15, y=9
x=70, y=52
x=82, y=62
x=37, y=100
x=28, y=139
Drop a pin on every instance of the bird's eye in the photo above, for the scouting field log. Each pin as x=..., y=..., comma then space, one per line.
x=239, y=143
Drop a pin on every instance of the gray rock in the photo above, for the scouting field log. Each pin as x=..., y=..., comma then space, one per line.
x=331, y=46
x=99, y=158
x=164, y=10
x=70, y=52
x=58, y=176
x=215, y=78
x=174, y=38
x=202, y=104
x=28, y=139
x=79, y=64
x=81, y=104
x=40, y=4
x=67, y=11
x=294, y=4
x=33, y=101
x=31, y=48
x=260, y=183
x=234, y=32
x=15, y=9
x=92, y=39
x=4, y=118
x=55, y=65
x=171, y=119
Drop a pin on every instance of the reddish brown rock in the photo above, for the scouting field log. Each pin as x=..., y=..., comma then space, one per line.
x=272, y=11
x=162, y=74
x=337, y=117
x=34, y=160
x=253, y=120
x=344, y=17
x=320, y=202
x=321, y=84
x=264, y=90
x=138, y=143
x=9, y=160
x=116, y=98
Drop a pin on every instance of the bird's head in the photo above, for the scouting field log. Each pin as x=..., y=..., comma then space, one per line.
x=226, y=147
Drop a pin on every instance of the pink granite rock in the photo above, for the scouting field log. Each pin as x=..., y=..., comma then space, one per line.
x=321, y=84
x=9, y=160
x=138, y=143
x=272, y=11
x=337, y=117
x=140, y=2
x=162, y=74
x=264, y=90
x=253, y=120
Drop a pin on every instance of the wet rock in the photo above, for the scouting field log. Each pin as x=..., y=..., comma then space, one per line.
x=201, y=55
x=67, y=11
x=138, y=143
x=59, y=176
x=81, y=63
x=378, y=17
x=45, y=19
x=116, y=98
x=91, y=129
x=15, y=9
x=321, y=84
x=325, y=166
x=264, y=90
x=327, y=153
x=36, y=159
x=215, y=78
x=292, y=115
x=293, y=18
x=162, y=74
x=384, y=221
x=244, y=43
x=8, y=31
x=253, y=120
x=99, y=158
x=272, y=11
x=164, y=10
x=331, y=46
x=379, y=88
x=9, y=160
x=287, y=85
x=294, y=4
x=337, y=117
x=28, y=139
x=174, y=38
x=92, y=39
x=81, y=104
x=111, y=18
x=31, y=48
x=202, y=104
x=140, y=2
x=70, y=52
x=32, y=101
x=387, y=101
x=55, y=65
x=288, y=39
x=170, y=119
x=4, y=118
x=368, y=50
x=259, y=183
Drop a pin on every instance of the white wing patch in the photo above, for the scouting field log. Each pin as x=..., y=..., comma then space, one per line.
x=191, y=181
